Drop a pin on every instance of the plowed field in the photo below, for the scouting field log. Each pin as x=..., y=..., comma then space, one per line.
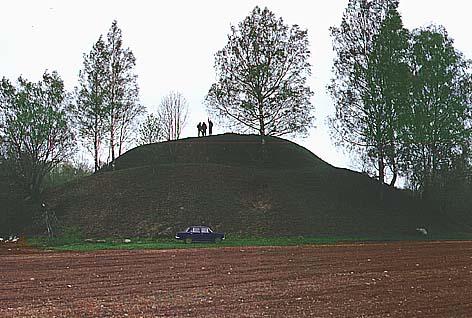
x=419, y=279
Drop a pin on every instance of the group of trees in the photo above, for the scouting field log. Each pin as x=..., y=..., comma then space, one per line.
x=108, y=108
x=40, y=123
x=35, y=128
x=403, y=98
x=169, y=121
x=107, y=97
x=261, y=87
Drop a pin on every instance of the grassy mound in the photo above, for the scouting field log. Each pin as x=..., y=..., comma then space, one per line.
x=226, y=149
x=239, y=185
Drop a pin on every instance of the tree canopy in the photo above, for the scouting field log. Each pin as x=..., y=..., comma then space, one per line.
x=436, y=127
x=370, y=46
x=91, y=110
x=36, y=127
x=261, y=77
x=107, y=96
x=402, y=98
x=150, y=130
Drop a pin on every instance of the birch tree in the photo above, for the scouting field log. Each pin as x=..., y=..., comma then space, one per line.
x=122, y=91
x=371, y=48
x=91, y=111
x=437, y=130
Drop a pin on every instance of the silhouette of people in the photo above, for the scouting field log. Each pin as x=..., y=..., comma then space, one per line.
x=210, y=127
x=199, y=127
x=204, y=129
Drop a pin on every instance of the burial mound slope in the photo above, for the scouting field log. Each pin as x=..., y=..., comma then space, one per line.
x=236, y=184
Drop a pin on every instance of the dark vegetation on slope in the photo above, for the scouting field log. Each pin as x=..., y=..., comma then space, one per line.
x=226, y=149
x=14, y=209
x=236, y=184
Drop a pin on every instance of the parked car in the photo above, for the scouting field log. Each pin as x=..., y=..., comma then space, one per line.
x=199, y=233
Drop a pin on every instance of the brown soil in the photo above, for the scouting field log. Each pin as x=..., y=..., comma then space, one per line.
x=428, y=279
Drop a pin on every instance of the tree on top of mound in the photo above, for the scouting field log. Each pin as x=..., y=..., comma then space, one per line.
x=261, y=77
x=107, y=99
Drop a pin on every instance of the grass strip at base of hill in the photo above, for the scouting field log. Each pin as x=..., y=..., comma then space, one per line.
x=59, y=244
x=169, y=243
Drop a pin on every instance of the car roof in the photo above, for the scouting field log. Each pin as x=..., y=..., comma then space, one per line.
x=200, y=227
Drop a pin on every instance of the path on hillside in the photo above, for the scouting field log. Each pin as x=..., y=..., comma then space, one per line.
x=430, y=279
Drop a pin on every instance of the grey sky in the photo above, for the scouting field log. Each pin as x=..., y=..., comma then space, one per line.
x=174, y=43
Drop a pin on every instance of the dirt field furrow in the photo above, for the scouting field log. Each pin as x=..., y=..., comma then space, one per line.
x=405, y=279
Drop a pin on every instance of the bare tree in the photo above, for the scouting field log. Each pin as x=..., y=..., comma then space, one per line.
x=128, y=125
x=172, y=113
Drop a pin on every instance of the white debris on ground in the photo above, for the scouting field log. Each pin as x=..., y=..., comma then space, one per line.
x=10, y=239
x=91, y=240
x=127, y=241
x=422, y=230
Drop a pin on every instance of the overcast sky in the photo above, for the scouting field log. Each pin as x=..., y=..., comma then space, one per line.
x=175, y=41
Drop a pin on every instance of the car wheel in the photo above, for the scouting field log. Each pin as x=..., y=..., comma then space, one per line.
x=188, y=240
x=217, y=240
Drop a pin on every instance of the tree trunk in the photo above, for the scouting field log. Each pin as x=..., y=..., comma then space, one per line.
x=261, y=121
x=112, y=136
x=395, y=174
x=96, y=146
x=394, y=179
x=381, y=164
x=97, y=164
x=120, y=145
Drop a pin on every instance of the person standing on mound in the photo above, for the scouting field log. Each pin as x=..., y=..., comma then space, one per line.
x=210, y=127
x=199, y=127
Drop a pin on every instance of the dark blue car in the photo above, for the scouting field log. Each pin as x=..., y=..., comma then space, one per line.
x=199, y=233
